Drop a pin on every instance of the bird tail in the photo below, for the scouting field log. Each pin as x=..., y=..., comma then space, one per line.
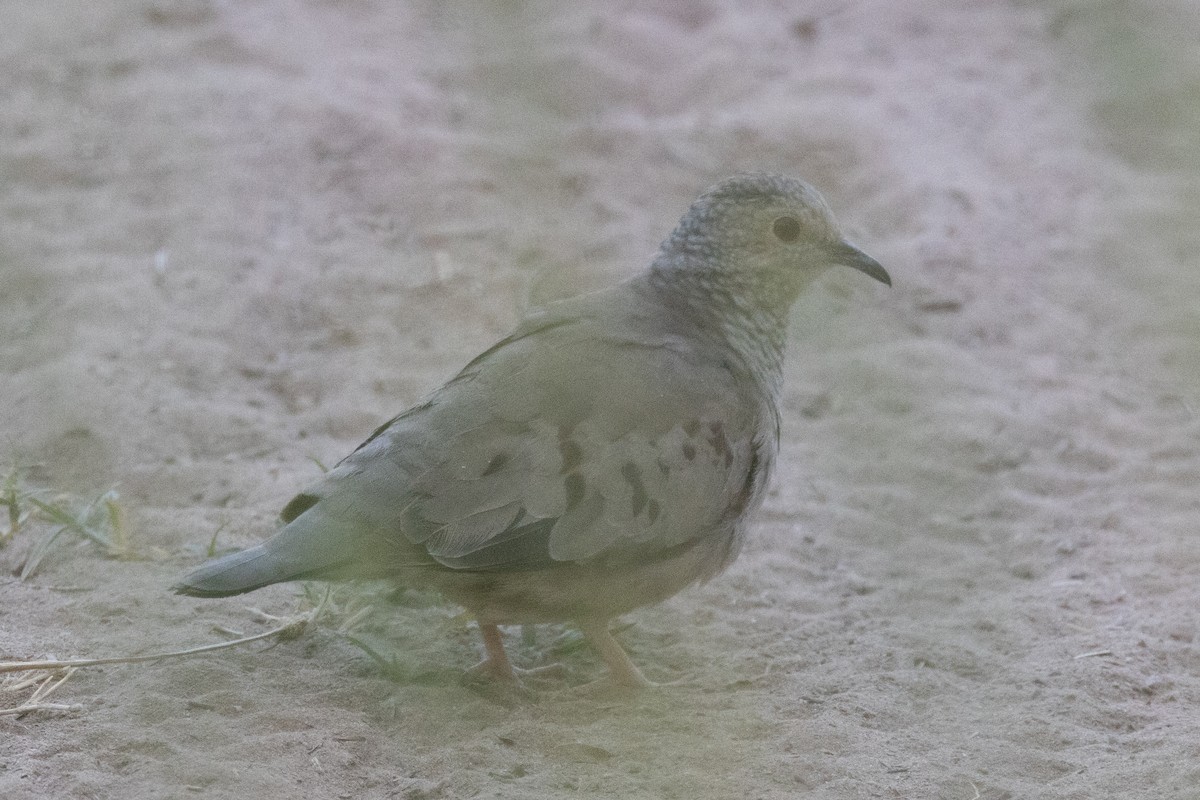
x=233, y=574
x=312, y=545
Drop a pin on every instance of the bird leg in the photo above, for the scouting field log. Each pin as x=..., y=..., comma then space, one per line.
x=622, y=671
x=495, y=663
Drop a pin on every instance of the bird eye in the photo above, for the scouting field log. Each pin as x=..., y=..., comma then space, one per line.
x=786, y=229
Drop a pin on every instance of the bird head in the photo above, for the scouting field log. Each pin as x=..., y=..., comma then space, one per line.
x=760, y=236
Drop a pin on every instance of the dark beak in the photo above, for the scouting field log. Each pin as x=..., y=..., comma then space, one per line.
x=850, y=256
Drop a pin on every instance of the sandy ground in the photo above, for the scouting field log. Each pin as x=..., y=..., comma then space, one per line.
x=235, y=236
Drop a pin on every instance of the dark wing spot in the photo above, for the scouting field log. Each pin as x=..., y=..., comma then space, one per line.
x=691, y=427
x=575, y=488
x=721, y=444
x=689, y=451
x=496, y=464
x=652, y=510
x=297, y=506
x=633, y=476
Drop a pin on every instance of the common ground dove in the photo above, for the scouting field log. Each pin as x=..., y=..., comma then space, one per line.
x=603, y=456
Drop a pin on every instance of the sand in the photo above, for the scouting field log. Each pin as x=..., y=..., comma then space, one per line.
x=237, y=236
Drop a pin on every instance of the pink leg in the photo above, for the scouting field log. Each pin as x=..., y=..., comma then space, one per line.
x=496, y=666
x=496, y=663
x=622, y=671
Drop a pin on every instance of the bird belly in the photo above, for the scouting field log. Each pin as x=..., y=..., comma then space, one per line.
x=586, y=591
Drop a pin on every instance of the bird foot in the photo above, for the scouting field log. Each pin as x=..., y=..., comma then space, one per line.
x=614, y=685
x=490, y=670
x=609, y=686
x=497, y=669
x=623, y=674
x=506, y=684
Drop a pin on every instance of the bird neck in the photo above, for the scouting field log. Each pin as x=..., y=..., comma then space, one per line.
x=748, y=321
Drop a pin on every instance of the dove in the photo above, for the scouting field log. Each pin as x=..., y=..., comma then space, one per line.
x=603, y=456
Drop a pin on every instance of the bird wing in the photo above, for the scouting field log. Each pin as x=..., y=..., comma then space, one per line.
x=573, y=439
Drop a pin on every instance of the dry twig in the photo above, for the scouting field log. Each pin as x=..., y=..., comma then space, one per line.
x=37, y=701
x=290, y=629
